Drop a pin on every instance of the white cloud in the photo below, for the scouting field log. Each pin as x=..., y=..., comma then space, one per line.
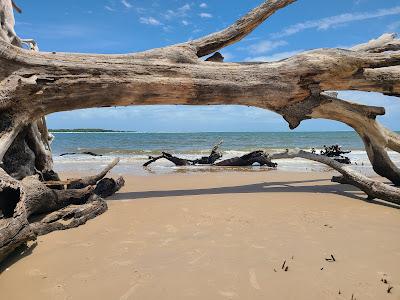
x=181, y=12
x=150, y=21
x=273, y=57
x=126, y=4
x=265, y=46
x=186, y=23
x=326, y=23
x=205, y=15
x=109, y=8
x=203, y=5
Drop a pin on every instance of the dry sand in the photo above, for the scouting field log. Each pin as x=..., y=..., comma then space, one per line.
x=219, y=236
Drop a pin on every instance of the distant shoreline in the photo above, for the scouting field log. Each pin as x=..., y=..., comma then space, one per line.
x=194, y=132
x=87, y=130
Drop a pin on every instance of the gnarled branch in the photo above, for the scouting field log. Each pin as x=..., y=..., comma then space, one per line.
x=241, y=28
x=374, y=189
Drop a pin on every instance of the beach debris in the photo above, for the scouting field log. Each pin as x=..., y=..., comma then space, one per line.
x=340, y=292
x=287, y=268
x=389, y=290
x=336, y=152
x=322, y=268
x=78, y=153
x=283, y=266
x=205, y=160
x=275, y=270
x=331, y=259
x=260, y=157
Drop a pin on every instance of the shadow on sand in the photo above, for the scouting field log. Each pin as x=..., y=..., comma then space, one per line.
x=21, y=252
x=274, y=187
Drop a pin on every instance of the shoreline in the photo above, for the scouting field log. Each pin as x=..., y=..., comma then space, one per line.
x=219, y=236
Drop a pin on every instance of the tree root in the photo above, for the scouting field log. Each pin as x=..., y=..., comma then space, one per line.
x=30, y=208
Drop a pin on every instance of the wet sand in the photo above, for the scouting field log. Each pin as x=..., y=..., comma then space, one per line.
x=219, y=236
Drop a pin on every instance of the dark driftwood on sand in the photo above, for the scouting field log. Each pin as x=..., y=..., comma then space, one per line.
x=77, y=153
x=259, y=157
x=215, y=154
x=336, y=152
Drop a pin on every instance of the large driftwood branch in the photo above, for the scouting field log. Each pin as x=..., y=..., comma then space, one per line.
x=386, y=42
x=241, y=28
x=374, y=189
x=173, y=76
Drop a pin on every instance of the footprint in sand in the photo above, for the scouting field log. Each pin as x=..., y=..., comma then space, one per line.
x=199, y=257
x=253, y=279
x=137, y=280
x=35, y=273
x=171, y=228
x=228, y=294
x=166, y=242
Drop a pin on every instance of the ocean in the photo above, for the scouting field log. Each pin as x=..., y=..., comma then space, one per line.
x=134, y=148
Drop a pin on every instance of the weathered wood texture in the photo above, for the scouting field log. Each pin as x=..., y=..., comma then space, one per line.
x=30, y=208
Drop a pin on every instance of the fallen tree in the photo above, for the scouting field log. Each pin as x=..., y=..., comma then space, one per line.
x=34, y=84
x=215, y=154
x=249, y=159
x=259, y=157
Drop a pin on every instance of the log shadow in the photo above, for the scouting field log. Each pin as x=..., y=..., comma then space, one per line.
x=264, y=187
x=19, y=253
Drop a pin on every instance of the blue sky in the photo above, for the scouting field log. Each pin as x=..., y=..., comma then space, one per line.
x=123, y=26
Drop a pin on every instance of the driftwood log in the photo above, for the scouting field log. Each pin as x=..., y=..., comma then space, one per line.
x=215, y=154
x=259, y=157
x=34, y=84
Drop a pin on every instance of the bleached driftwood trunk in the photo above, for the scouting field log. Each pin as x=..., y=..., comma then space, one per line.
x=33, y=84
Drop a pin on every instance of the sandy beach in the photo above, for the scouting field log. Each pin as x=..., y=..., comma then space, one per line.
x=219, y=236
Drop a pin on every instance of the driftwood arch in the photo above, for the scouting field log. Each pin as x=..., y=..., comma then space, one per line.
x=34, y=84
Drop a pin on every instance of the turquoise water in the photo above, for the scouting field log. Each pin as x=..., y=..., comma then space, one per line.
x=134, y=148
x=136, y=143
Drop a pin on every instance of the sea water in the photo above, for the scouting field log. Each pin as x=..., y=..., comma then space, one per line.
x=134, y=149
